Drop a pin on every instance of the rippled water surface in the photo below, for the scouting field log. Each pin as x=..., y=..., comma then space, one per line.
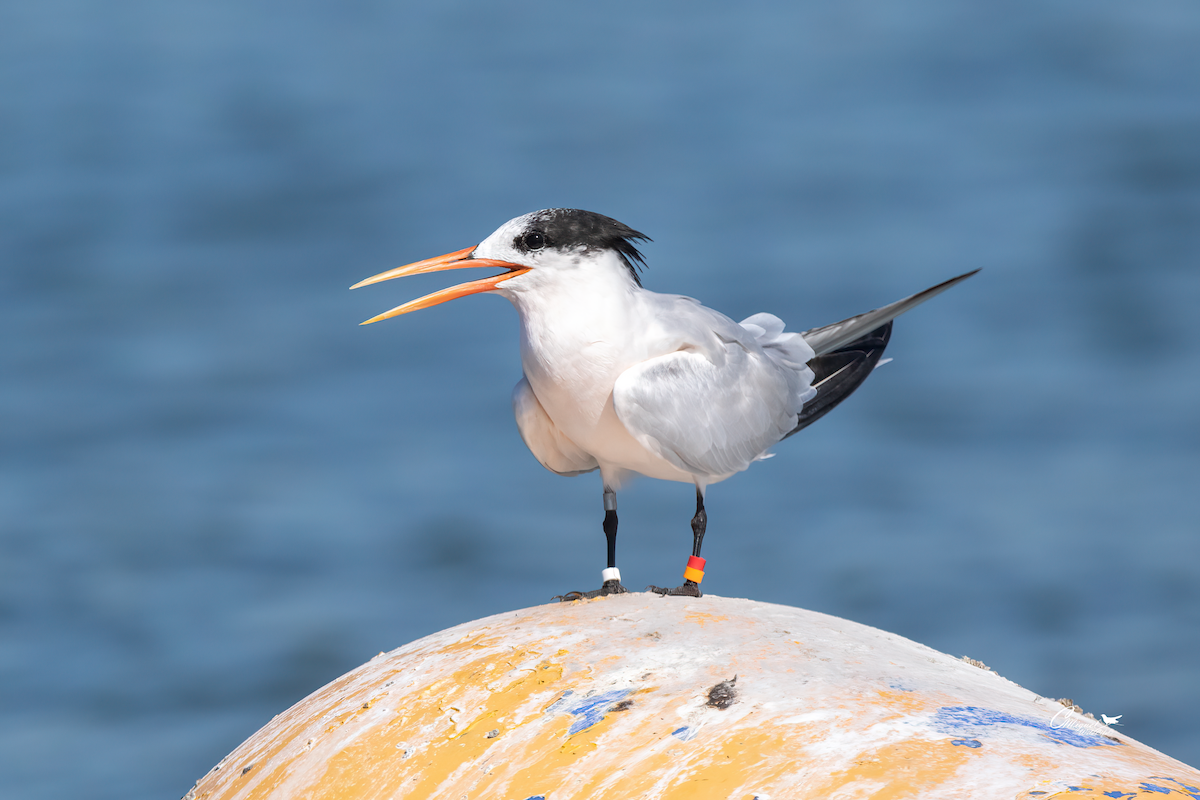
x=217, y=493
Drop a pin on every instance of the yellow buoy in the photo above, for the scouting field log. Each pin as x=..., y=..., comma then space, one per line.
x=638, y=695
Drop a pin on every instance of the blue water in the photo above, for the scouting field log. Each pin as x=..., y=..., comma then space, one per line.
x=217, y=493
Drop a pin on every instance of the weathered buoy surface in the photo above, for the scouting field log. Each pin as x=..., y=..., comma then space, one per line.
x=643, y=696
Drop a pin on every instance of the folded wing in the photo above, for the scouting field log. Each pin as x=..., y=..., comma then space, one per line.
x=715, y=414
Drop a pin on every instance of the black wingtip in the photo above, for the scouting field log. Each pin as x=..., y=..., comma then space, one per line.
x=838, y=373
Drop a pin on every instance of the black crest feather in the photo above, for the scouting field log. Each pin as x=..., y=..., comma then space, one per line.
x=568, y=228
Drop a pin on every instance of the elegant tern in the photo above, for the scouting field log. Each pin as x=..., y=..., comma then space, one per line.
x=624, y=380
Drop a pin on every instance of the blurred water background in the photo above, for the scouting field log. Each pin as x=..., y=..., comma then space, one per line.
x=217, y=493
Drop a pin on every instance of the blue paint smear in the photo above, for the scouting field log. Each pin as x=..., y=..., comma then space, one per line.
x=1115, y=793
x=972, y=743
x=970, y=719
x=685, y=733
x=590, y=710
x=537, y=797
x=1192, y=790
x=1150, y=787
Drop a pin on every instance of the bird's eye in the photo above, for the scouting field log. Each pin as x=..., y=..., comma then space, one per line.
x=534, y=240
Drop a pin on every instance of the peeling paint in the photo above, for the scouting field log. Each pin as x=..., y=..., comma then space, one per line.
x=977, y=721
x=576, y=701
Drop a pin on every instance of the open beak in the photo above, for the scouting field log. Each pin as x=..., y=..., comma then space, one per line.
x=456, y=260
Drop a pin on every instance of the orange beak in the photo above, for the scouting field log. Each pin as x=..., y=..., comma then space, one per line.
x=459, y=259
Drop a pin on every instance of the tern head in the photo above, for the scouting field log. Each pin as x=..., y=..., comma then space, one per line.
x=540, y=246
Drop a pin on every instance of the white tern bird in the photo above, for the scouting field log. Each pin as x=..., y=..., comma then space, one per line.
x=625, y=380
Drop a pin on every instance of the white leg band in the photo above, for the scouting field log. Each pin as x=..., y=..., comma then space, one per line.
x=611, y=574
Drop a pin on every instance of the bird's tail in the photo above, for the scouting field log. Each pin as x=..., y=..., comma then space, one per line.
x=847, y=351
x=828, y=338
x=839, y=372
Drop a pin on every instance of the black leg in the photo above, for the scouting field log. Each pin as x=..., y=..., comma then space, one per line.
x=612, y=576
x=691, y=588
x=699, y=523
x=610, y=533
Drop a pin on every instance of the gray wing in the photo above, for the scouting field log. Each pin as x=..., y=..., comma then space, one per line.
x=549, y=446
x=709, y=419
x=830, y=337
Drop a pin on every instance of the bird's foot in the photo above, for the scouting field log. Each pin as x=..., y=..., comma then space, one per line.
x=609, y=587
x=689, y=589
